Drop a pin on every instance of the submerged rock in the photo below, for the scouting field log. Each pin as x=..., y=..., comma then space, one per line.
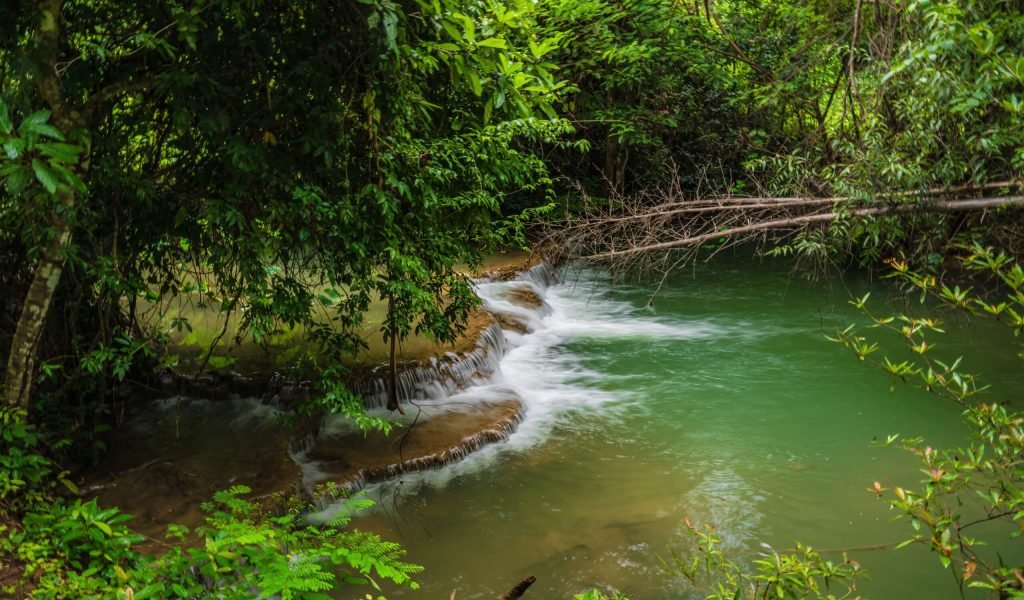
x=525, y=296
x=437, y=438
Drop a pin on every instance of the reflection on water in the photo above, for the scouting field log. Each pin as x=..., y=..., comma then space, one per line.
x=724, y=403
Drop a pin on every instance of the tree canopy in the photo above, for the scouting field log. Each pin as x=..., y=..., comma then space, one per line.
x=266, y=150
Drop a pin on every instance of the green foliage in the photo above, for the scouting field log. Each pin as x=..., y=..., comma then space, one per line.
x=72, y=549
x=368, y=148
x=336, y=398
x=956, y=91
x=932, y=102
x=76, y=549
x=802, y=573
x=25, y=475
x=36, y=162
x=969, y=495
x=247, y=551
x=646, y=90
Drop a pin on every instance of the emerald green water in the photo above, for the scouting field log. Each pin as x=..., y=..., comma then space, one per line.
x=724, y=404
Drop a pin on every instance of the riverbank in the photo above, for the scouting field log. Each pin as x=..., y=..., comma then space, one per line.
x=211, y=344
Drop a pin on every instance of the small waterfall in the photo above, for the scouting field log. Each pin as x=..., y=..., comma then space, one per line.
x=538, y=271
x=518, y=306
x=303, y=441
x=543, y=274
x=469, y=381
x=440, y=376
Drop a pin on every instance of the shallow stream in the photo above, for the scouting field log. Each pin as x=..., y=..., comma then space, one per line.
x=721, y=402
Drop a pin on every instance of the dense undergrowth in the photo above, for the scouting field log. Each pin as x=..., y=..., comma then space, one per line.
x=55, y=544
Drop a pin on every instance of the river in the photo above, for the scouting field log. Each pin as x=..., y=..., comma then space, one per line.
x=721, y=401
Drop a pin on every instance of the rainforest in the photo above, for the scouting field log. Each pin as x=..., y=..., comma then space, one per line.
x=476, y=299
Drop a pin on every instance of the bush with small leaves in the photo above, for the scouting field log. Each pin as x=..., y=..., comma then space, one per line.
x=981, y=483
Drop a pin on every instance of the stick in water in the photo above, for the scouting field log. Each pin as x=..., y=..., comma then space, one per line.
x=519, y=590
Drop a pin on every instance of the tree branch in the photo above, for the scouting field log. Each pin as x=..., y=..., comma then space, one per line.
x=800, y=221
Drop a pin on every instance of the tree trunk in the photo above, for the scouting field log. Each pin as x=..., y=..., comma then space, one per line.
x=796, y=222
x=611, y=160
x=393, y=403
x=22, y=359
x=21, y=362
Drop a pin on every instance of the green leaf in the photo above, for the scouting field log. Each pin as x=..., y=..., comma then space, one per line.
x=474, y=83
x=68, y=176
x=451, y=30
x=468, y=27
x=104, y=528
x=65, y=153
x=37, y=118
x=47, y=130
x=45, y=175
x=71, y=486
x=18, y=180
x=150, y=591
x=493, y=43
x=14, y=147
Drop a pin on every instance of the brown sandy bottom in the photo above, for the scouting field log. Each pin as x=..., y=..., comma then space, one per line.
x=166, y=462
x=172, y=457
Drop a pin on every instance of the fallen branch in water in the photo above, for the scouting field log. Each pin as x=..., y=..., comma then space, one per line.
x=663, y=226
x=798, y=222
x=519, y=589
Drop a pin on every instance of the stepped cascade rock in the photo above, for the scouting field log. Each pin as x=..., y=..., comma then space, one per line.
x=353, y=460
x=450, y=418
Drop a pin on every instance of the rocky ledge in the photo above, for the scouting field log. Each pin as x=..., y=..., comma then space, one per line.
x=353, y=460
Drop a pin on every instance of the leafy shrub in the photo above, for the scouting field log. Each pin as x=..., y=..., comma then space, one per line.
x=76, y=549
x=983, y=481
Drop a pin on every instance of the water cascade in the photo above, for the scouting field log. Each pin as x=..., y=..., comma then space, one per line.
x=455, y=404
x=437, y=377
